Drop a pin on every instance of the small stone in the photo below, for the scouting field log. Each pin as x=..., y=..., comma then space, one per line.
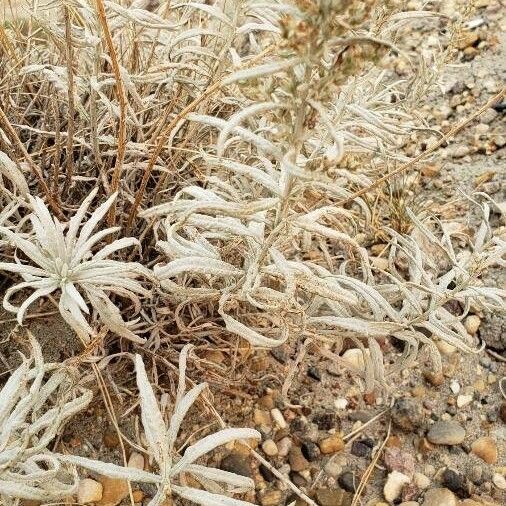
x=114, y=491
x=284, y=446
x=455, y=386
x=236, y=463
x=397, y=460
x=138, y=496
x=439, y=497
x=464, y=400
x=467, y=39
x=434, y=378
x=455, y=482
x=362, y=447
x=394, y=485
x=261, y=417
x=327, y=420
x=421, y=481
x=340, y=403
x=314, y=372
x=297, y=460
x=499, y=481
x=445, y=348
x=272, y=498
x=270, y=448
x=446, y=433
x=136, y=461
x=502, y=412
x=409, y=503
x=278, y=417
x=355, y=358
x=332, y=444
x=488, y=116
x=407, y=414
x=310, y=450
x=347, y=481
x=472, y=324
x=431, y=170
x=89, y=491
x=110, y=439
x=333, y=497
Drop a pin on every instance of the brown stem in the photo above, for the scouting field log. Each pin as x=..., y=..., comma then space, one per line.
x=71, y=105
x=120, y=92
x=7, y=127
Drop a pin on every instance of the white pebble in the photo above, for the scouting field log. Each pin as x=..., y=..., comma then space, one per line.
x=340, y=403
x=284, y=446
x=136, y=461
x=455, y=386
x=393, y=487
x=464, y=400
x=278, y=417
x=421, y=481
x=89, y=491
x=499, y=481
x=270, y=448
x=355, y=358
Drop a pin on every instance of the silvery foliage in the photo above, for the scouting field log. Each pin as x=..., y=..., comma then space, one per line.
x=161, y=441
x=62, y=258
x=244, y=240
x=35, y=402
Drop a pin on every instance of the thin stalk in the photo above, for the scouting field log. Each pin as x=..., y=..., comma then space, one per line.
x=120, y=92
x=70, y=97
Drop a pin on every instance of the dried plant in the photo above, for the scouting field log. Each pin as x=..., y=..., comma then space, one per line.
x=63, y=260
x=35, y=402
x=161, y=442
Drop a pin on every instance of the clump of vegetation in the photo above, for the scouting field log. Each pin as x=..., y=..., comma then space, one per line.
x=233, y=147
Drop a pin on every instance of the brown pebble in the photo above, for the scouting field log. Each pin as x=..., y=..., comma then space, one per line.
x=114, y=491
x=110, y=439
x=296, y=460
x=435, y=379
x=486, y=449
x=332, y=444
x=502, y=412
x=272, y=498
x=138, y=495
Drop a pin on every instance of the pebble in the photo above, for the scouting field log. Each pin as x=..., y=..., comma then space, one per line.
x=464, y=400
x=340, y=403
x=439, y=497
x=355, y=358
x=407, y=414
x=89, y=491
x=297, y=460
x=310, y=450
x=455, y=482
x=314, y=372
x=502, y=412
x=327, y=420
x=236, y=463
x=333, y=497
x=409, y=503
x=472, y=323
x=114, y=491
x=138, y=496
x=272, y=498
x=347, y=481
x=270, y=448
x=278, y=418
x=486, y=449
x=499, y=481
x=455, y=386
x=362, y=447
x=397, y=460
x=136, y=461
x=332, y=444
x=446, y=433
x=421, y=481
x=394, y=485
x=261, y=417
x=284, y=446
